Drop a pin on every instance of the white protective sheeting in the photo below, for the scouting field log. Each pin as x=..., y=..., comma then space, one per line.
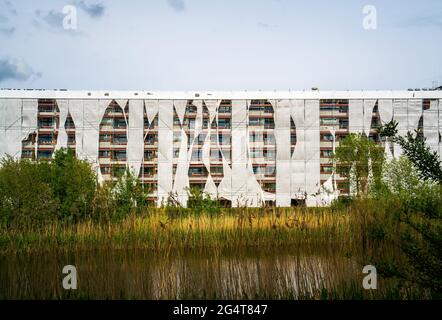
x=431, y=125
x=10, y=126
x=210, y=187
x=239, y=153
x=77, y=114
x=312, y=150
x=165, y=149
x=298, y=174
x=135, y=142
x=400, y=115
x=93, y=111
x=414, y=111
x=212, y=106
x=29, y=123
x=368, y=114
x=385, y=107
x=282, y=136
x=151, y=109
x=355, y=116
x=180, y=108
x=62, y=139
x=181, y=181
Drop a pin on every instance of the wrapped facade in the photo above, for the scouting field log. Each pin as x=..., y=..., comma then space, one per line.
x=245, y=148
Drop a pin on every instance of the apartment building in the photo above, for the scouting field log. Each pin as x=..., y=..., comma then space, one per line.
x=245, y=148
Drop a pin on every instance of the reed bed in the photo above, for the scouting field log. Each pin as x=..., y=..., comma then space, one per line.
x=155, y=230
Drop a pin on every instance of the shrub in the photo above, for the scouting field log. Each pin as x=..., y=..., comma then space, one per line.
x=74, y=183
x=26, y=196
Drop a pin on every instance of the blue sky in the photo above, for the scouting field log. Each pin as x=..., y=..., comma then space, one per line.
x=220, y=45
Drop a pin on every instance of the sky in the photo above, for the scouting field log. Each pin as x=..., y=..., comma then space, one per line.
x=180, y=45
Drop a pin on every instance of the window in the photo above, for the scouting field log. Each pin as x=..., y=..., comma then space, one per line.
x=269, y=139
x=343, y=123
x=224, y=123
x=45, y=139
x=269, y=123
x=256, y=153
x=197, y=155
x=329, y=121
x=327, y=137
x=105, y=170
x=256, y=121
x=270, y=155
x=151, y=139
x=119, y=123
x=45, y=123
x=44, y=154
x=326, y=153
x=327, y=169
x=150, y=155
x=216, y=170
x=196, y=171
x=224, y=138
x=120, y=139
x=224, y=109
x=105, y=137
x=120, y=155
x=104, y=154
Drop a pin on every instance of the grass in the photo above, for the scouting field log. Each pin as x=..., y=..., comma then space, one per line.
x=154, y=230
x=243, y=253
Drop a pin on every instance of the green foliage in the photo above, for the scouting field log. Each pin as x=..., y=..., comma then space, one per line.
x=26, y=196
x=200, y=201
x=129, y=195
x=415, y=205
x=73, y=183
x=415, y=148
x=361, y=157
x=33, y=194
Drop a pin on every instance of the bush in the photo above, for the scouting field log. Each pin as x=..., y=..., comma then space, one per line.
x=26, y=195
x=74, y=183
x=416, y=206
x=201, y=202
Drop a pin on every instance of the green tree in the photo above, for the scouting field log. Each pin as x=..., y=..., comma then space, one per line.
x=26, y=196
x=129, y=194
x=415, y=148
x=360, y=157
x=74, y=183
x=416, y=206
x=200, y=201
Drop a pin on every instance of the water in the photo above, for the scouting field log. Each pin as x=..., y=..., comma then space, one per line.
x=140, y=274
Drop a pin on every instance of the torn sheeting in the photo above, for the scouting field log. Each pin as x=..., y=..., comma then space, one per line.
x=11, y=129
x=29, y=123
x=355, y=116
x=180, y=108
x=62, y=139
x=135, y=142
x=282, y=136
x=368, y=114
x=298, y=174
x=401, y=117
x=431, y=125
x=151, y=109
x=165, y=150
x=385, y=107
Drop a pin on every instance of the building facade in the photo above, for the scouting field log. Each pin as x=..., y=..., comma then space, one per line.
x=245, y=148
